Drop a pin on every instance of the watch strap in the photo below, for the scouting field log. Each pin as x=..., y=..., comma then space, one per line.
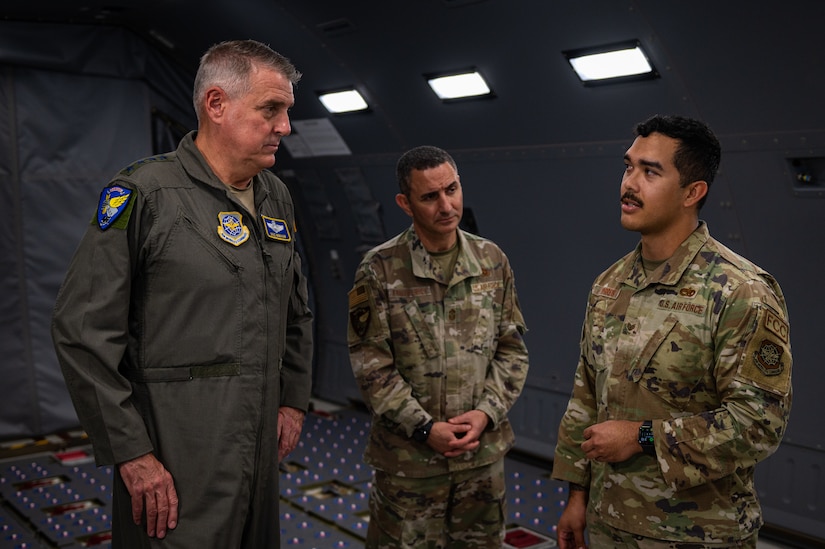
x=421, y=434
x=646, y=440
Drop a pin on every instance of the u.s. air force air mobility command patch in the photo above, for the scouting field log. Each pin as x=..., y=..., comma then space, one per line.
x=767, y=360
x=114, y=201
x=359, y=310
x=232, y=229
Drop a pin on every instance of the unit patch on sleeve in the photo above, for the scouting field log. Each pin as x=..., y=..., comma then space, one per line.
x=232, y=229
x=359, y=310
x=766, y=361
x=276, y=229
x=114, y=201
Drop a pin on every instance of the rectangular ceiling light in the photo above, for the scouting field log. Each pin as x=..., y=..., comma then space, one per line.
x=343, y=101
x=459, y=85
x=612, y=63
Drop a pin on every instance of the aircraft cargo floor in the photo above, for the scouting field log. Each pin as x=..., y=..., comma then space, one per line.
x=53, y=495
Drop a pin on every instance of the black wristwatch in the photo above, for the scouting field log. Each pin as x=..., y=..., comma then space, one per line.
x=423, y=433
x=646, y=438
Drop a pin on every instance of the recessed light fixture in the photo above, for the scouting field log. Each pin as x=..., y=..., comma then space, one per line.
x=612, y=63
x=459, y=85
x=341, y=101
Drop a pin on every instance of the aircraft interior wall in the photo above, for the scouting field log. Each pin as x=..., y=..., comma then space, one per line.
x=69, y=120
x=66, y=129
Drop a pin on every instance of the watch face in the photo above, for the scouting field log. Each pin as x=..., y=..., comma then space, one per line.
x=645, y=435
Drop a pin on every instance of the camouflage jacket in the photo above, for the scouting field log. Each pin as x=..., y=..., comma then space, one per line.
x=701, y=347
x=425, y=349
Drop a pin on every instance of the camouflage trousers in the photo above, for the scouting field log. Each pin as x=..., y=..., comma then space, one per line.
x=464, y=509
x=603, y=536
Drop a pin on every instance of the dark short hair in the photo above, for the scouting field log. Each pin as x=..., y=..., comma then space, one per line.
x=698, y=153
x=420, y=158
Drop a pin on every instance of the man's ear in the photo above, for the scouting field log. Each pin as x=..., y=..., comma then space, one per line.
x=403, y=203
x=696, y=191
x=215, y=103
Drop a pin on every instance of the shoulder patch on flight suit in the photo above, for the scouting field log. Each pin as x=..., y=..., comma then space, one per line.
x=359, y=310
x=232, y=229
x=114, y=201
x=766, y=361
x=276, y=229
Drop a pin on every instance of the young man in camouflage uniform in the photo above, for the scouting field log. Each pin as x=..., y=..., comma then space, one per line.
x=435, y=336
x=684, y=380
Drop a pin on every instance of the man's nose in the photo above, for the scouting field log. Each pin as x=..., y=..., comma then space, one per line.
x=282, y=125
x=629, y=182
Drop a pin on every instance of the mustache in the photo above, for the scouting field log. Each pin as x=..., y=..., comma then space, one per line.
x=632, y=197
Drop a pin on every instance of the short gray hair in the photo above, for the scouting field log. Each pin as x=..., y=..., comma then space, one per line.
x=229, y=64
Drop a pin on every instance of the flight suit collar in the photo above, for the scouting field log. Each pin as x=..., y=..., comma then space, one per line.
x=197, y=167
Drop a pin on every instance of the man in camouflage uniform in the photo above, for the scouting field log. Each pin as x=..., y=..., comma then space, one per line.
x=435, y=337
x=684, y=379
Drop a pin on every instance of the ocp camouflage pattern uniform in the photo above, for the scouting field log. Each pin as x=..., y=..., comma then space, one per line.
x=701, y=347
x=426, y=346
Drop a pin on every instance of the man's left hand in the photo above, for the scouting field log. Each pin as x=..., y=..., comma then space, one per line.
x=612, y=441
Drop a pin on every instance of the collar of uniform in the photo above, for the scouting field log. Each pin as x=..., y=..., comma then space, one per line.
x=423, y=266
x=196, y=165
x=670, y=272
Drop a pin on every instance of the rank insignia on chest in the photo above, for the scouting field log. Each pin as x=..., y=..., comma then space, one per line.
x=276, y=229
x=113, y=201
x=232, y=229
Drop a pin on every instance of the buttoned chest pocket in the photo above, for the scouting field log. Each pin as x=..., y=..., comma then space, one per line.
x=674, y=365
x=596, y=336
x=415, y=320
x=480, y=318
